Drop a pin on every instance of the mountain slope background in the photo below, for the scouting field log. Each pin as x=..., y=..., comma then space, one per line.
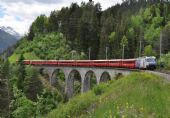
x=8, y=37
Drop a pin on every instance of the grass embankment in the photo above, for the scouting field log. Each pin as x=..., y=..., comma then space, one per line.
x=137, y=95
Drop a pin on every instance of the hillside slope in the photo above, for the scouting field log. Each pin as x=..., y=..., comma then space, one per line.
x=50, y=46
x=138, y=95
x=6, y=40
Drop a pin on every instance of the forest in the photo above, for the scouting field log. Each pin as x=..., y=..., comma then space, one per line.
x=73, y=32
x=88, y=27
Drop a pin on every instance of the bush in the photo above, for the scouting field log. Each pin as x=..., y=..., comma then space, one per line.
x=20, y=106
x=148, y=51
x=74, y=107
x=98, y=90
x=48, y=101
x=164, y=62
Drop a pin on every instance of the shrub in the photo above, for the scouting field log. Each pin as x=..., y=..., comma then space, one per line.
x=74, y=107
x=48, y=101
x=98, y=90
x=164, y=62
x=20, y=106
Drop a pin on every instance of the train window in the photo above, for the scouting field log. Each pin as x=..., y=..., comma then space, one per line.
x=150, y=60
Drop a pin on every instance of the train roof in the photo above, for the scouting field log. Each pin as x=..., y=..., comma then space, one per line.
x=86, y=60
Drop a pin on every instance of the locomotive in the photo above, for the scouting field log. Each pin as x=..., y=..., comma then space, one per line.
x=146, y=63
x=138, y=63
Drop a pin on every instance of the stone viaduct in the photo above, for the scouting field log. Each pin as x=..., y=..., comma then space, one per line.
x=86, y=73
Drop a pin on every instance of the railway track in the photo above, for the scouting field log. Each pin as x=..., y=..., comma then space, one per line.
x=164, y=75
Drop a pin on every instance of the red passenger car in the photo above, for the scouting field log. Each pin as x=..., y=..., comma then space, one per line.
x=118, y=63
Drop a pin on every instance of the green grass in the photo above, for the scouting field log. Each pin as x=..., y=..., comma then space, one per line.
x=74, y=107
x=27, y=56
x=138, y=95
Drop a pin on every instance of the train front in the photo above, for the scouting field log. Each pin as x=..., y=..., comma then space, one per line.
x=150, y=63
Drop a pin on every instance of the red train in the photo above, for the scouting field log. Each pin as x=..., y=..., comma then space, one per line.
x=119, y=63
x=140, y=63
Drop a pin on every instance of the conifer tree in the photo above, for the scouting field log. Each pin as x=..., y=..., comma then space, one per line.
x=21, y=72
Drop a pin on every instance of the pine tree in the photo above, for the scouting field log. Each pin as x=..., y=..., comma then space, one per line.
x=124, y=43
x=21, y=72
x=4, y=88
x=5, y=70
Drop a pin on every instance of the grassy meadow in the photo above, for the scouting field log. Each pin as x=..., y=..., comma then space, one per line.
x=138, y=95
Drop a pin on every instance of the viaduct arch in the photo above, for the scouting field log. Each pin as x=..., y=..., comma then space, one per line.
x=85, y=76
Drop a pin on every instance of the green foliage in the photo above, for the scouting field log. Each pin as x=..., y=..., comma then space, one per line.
x=61, y=75
x=77, y=87
x=152, y=34
x=4, y=88
x=112, y=37
x=74, y=107
x=21, y=106
x=87, y=26
x=4, y=70
x=32, y=84
x=157, y=21
x=166, y=39
x=148, y=51
x=22, y=102
x=147, y=15
x=53, y=25
x=47, y=101
x=50, y=46
x=146, y=27
x=98, y=90
x=1, y=62
x=165, y=60
x=124, y=41
x=38, y=26
x=93, y=81
x=131, y=33
x=137, y=21
x=13, y=79
x=21, y=73
x=79, y=25
x=129, y=103
x=154, y=26
x=121, y=97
